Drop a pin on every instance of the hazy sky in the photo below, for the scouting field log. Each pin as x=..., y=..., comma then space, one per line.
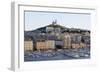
x=35, y=20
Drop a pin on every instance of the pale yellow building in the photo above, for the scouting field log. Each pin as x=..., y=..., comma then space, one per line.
x=75, y=45
x=40, y=45
x=50, y=44
x=67, y=40
x=44, y=45
x=28, y=45
x=82, y=45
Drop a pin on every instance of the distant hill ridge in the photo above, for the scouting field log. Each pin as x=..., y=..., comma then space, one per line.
x=55, y=25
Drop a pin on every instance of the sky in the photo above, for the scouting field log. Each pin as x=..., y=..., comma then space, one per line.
x=34, y=20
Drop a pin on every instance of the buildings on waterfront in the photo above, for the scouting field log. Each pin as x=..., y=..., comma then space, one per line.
x=55, y=36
